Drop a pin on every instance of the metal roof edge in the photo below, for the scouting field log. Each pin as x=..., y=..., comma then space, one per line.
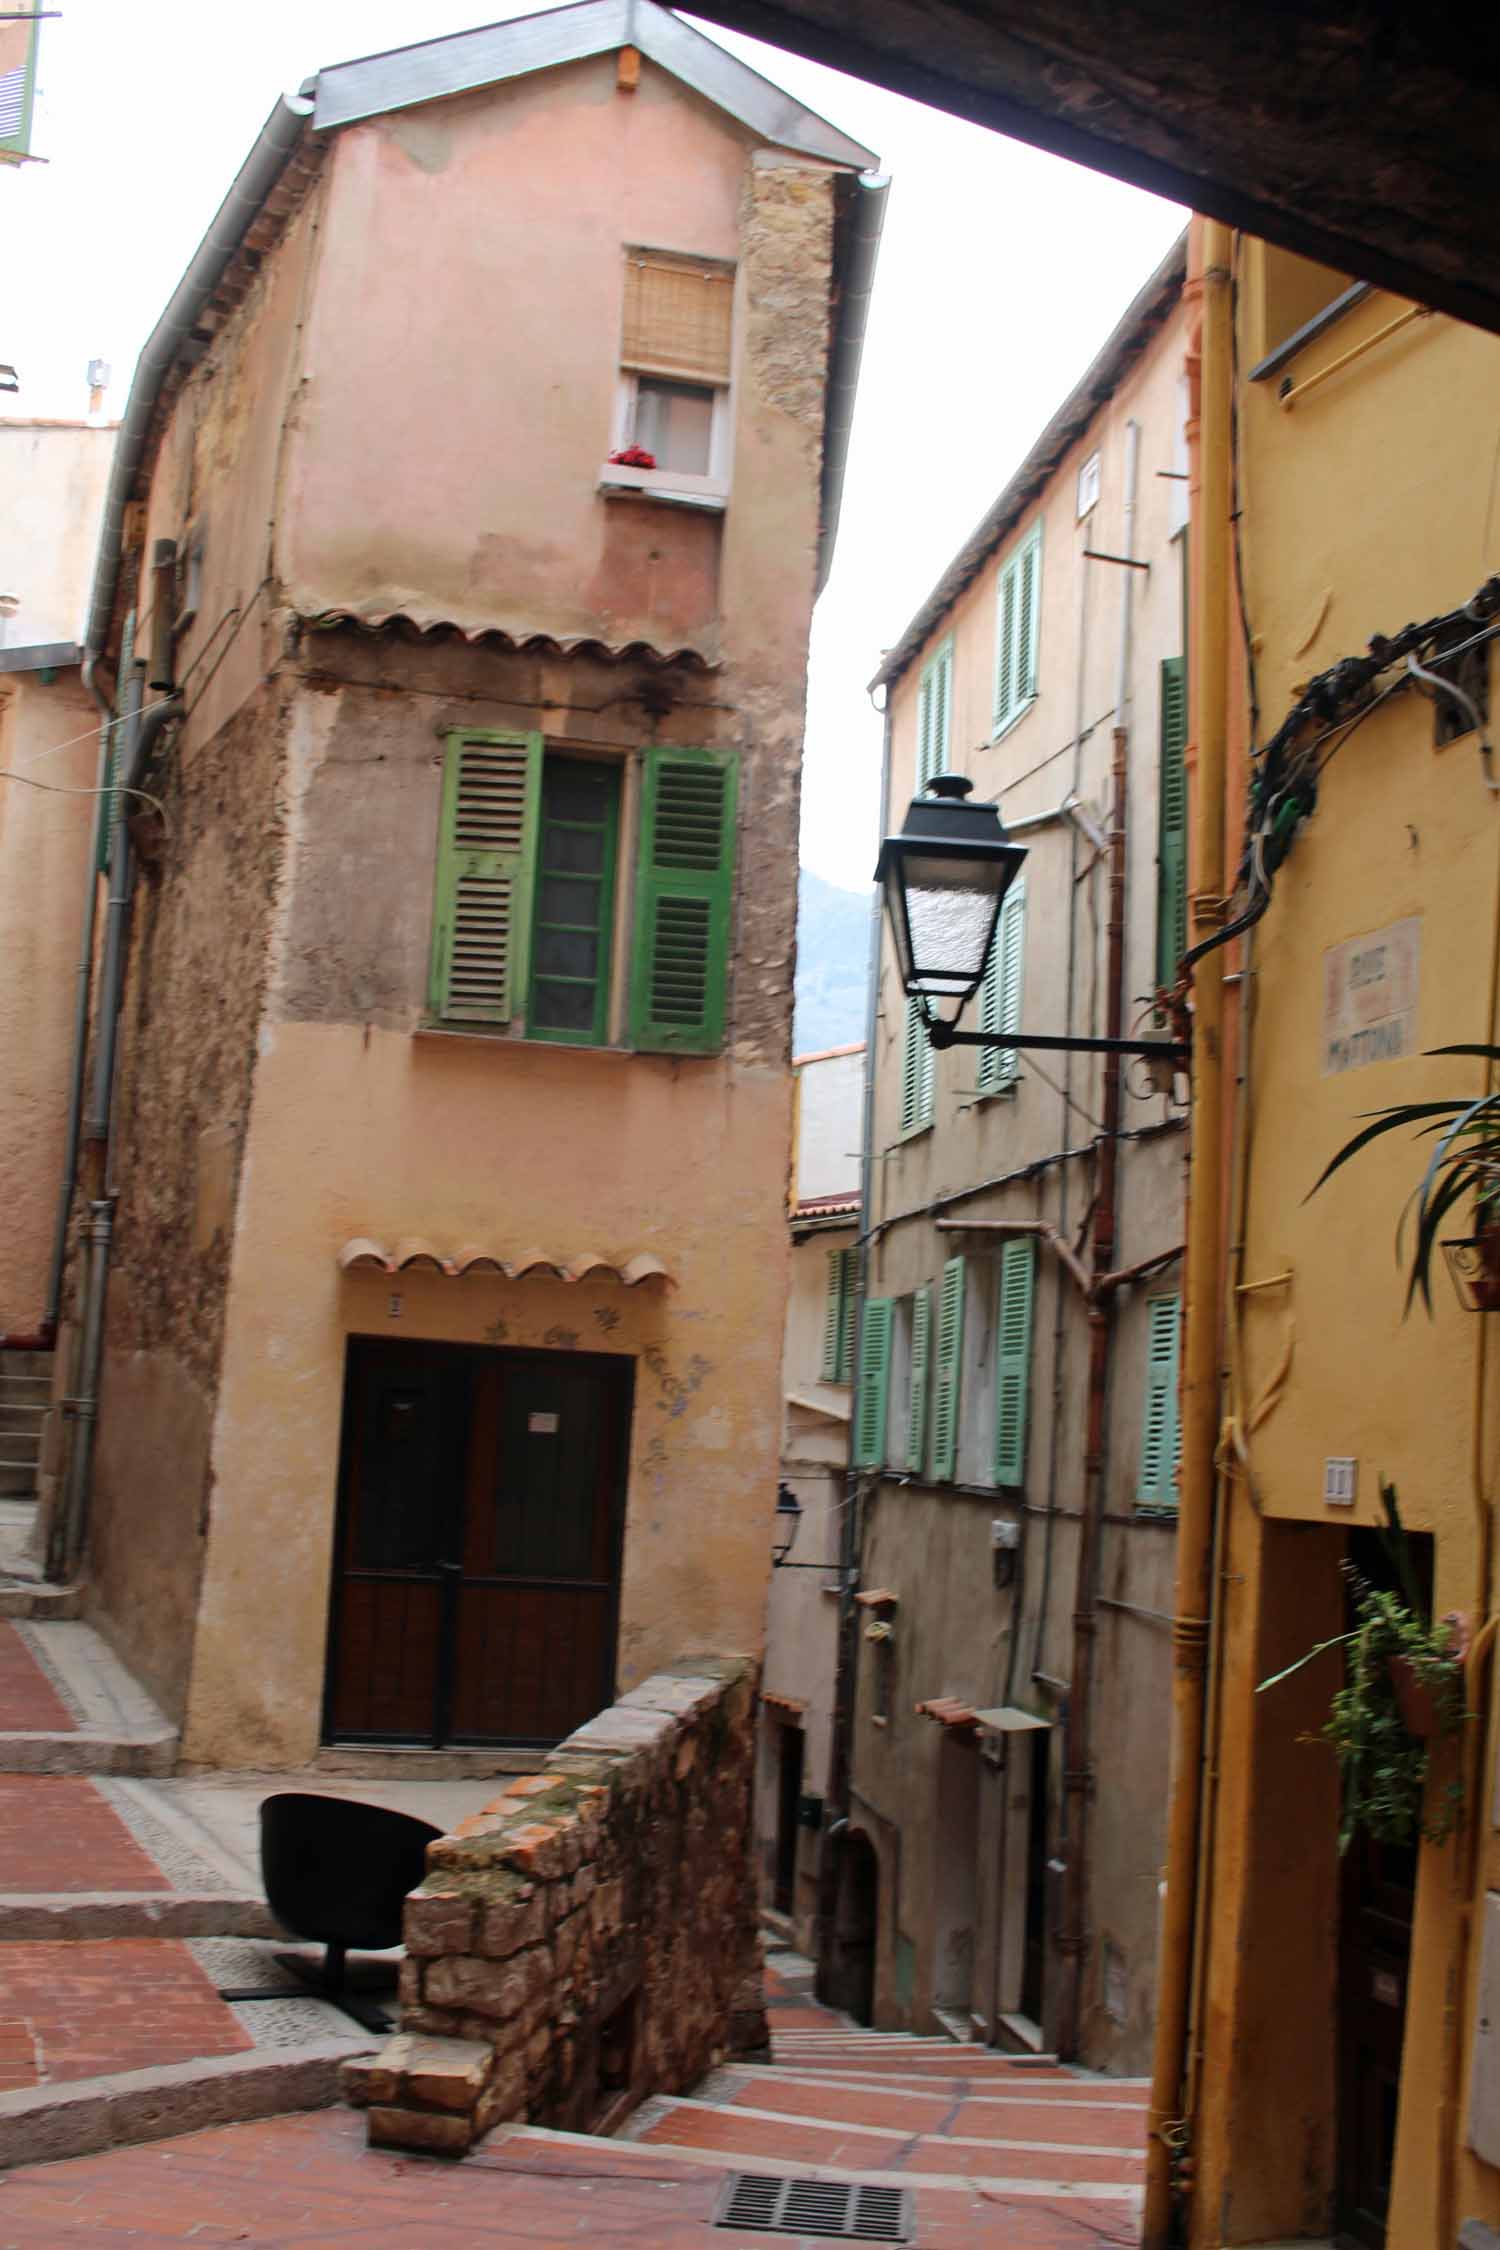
x=465, y=61
x=40, y=656
x=1098, y=383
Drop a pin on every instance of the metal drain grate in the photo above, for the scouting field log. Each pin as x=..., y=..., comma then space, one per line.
x=824, y=2207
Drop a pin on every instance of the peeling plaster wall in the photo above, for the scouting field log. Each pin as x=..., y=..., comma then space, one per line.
x=187, y=1051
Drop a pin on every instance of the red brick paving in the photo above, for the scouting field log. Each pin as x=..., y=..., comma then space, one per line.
x=29, y=1703
x=63, y=1836
x=307, y=2183
x=95, y=2005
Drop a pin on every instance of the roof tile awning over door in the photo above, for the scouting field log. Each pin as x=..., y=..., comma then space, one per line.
x=363, y=1254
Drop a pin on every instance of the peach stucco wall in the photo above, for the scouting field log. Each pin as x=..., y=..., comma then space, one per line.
x=484, y=388
x=44, y=854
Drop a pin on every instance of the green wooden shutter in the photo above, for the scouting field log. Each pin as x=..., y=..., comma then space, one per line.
x=849, y=1316
x=921, y=1340
x=684, y=898
x=1028, y=616
x=1171, y=863
x=114, y=745
x=486, y=855
x=834, y=1318
x=18, y=45
x=1000, y=993
x=950, y=1345
x=916, y=1072
x=1005, y=646
x=934, y=714
x=874, y=1383
x=1161, y=1438
x=1013, y=1359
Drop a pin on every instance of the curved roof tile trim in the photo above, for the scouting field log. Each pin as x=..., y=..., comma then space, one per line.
x=362, y=1253
x=401, y=624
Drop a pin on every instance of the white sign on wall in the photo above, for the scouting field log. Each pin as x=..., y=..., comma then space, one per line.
x=1370, y=997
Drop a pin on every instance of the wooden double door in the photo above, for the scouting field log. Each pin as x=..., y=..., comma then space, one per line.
x=476, y=1576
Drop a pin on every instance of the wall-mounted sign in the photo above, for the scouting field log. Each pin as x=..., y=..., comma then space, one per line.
x=1370, y=997
x=542, y=1425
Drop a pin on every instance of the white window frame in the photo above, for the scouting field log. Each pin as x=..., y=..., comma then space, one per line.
x=671, y=483
x=1089, y=480
x=1012, y=572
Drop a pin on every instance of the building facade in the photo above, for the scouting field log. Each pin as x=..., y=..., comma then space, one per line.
x=1329, y=1991
x=471, y=505
x=1014, y=1423
x=793, y=1774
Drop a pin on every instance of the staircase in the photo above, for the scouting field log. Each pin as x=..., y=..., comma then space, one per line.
x=25, y=1395
x=862, y=2135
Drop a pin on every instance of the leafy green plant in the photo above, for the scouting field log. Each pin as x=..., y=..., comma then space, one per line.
x=1464, y=1165
x=1394, y=1659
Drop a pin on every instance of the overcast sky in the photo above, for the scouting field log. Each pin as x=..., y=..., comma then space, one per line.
x=1000, y=273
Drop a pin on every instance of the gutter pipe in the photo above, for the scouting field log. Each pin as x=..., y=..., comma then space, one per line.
x=845, y=354
x=1077, y=1737
x=1205, y=1248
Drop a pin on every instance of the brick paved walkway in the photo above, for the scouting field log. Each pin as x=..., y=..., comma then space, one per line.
x=62, y=1836
x=29, y=1704
x=86, y=2007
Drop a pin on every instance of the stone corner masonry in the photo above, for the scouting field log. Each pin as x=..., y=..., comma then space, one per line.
x=589, y=1938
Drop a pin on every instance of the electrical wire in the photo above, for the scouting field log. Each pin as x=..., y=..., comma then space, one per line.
x=113, y=789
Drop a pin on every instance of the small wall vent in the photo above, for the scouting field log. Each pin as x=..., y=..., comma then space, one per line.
x=827, y=2208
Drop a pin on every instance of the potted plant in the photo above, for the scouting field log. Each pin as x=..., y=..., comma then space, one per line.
x=1464, y=1168
x=1403, y=1695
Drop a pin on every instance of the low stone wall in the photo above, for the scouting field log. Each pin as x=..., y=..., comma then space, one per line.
x=590, y=1937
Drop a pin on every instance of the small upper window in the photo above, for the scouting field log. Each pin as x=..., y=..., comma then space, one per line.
x=1088, y=487
x=672, y=419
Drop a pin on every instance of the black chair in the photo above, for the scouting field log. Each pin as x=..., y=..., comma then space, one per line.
x=338, y=1872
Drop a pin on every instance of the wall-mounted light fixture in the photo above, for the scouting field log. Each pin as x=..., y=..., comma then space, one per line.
x=788, y=1518
x=945, y=877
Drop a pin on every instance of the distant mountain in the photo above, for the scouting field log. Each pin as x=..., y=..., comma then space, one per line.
x=833, y=940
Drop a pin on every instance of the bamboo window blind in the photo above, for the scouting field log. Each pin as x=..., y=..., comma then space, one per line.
x=677, y=314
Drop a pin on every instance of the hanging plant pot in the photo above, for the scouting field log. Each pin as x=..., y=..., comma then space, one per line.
x=1474, y=1262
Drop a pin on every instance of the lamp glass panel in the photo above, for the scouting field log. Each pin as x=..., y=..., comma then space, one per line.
x=951, y=910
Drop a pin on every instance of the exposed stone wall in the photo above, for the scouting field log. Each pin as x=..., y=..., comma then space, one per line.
x=589, y=1938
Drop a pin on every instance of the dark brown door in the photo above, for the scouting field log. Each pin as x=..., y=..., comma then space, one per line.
x=477, y=1569
x=788, y=1805
x=1375, y=1919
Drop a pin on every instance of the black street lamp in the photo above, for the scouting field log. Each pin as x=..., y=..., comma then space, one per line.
x=788, y=1519
x=945, y=877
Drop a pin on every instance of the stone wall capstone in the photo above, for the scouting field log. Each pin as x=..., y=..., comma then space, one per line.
x=590, y=1937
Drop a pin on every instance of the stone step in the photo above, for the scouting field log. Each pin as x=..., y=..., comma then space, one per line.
x=42, y=2124
x=88, y=1716
x=34, y=1917
x=18, y=1480
x=20, y=1597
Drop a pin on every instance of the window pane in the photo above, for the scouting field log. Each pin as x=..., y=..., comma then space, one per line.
x=675, y=422
x=563, y=1007
x=574, y=900
x=566, y=953
x=571, y=900
x=575, y=851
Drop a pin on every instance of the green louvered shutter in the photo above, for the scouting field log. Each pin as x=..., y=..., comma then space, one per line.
x=1028, y=616
x=833, y=1318
x=481, y=925
x=1171, y=863
x=934, y=713
x=684, y=897
x=1013, y=1359
x=916, y=1072
x=848, y=1317
x=1005, y=648
x=114, y=745
x=1000, y=993
x=921, y=1342
x=1161, y=1437
x=874, y=1384
x=950, y=1346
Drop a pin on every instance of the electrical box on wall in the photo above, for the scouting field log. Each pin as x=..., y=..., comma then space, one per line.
x=1340, y=1480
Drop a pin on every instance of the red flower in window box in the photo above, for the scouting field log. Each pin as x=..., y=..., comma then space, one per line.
x=632, y=457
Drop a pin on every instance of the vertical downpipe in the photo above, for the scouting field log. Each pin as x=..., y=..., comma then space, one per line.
x=1209, y=279
x=1078, y=1745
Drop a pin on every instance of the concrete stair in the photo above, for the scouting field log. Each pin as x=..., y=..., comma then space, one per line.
x=71, y=1707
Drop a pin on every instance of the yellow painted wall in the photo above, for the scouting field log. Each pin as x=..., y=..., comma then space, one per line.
x=1364, y=505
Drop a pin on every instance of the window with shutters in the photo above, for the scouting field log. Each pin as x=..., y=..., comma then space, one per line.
x=675, y=351
x=1000, y=994
x=527, y=909
x=1172, y=818
x=839, y=1316
x=1161, y=1435
x=873, y=1389
x=1013, y=1358
x=934, y=715
x=917, y=1063
x=1018, y=612
x=914, y=1457
x=947, y=1371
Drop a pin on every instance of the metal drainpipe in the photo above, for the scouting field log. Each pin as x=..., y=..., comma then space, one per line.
x=1212, y=493
x=66, y=1540
x=1077, y=1738
x=842, y=1763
